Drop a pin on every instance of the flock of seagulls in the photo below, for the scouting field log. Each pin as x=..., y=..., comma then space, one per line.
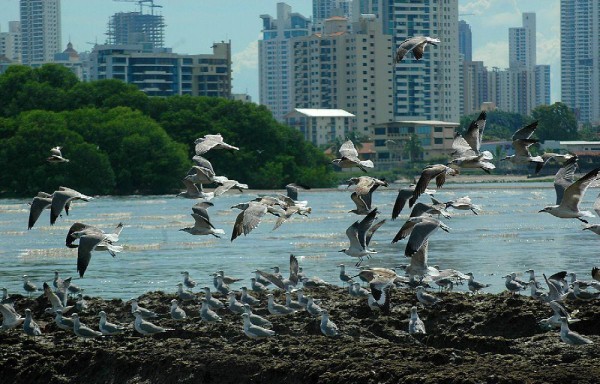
x=423, y=222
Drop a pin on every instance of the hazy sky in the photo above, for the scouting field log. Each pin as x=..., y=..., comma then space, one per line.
x=193, y=25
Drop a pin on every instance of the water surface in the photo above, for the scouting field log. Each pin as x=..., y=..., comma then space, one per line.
x=508, y=235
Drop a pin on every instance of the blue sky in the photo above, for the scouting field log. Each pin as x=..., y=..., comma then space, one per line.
x=193, y=25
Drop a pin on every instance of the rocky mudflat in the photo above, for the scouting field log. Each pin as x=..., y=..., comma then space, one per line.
x=483, y=338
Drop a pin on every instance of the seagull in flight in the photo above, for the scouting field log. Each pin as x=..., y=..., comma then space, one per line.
x=208, y=142
x=571, y=196
x=437, y=172
x=202, y=224
x=56, y=156
x=416, y=45
x=349, y=158
x=360, y=234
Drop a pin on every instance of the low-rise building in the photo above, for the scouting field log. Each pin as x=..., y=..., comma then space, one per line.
x=389, y=140
x=320, y=126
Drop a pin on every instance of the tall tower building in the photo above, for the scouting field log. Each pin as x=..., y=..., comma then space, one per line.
x=580, y=58
x=275, y=63
x=427, y=89
x=136, y=28
x=324, y=9
x=40, y=30
x=521, y=43
x=10, y=42
x=346, y=68
x=465, y=44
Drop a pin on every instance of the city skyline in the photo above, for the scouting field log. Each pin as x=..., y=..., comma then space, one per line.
x=193, y=26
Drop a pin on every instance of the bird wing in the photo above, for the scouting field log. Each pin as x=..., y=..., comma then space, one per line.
x=352, y=233
x=361, y=205
x=59, y=199
x=201, y=221
x=419, y=209
x=37, y=207
x=190, y=187
x=200, y=213
x=206, y=143
x=525, y=132
x=419, y=258
x=427, y=174
x=294, y=269
x=248, y=219
x=78, y=227
x=403, y=196
x=224, y=187
x=203, y=162
x=406, y=230
x=292, y=191
x=420, y=234
x=364, y=226
x=411, y=44
x=272, y=278
x=348, y=150
x=475, y=132
x=461, y=147
x=564, y=178
x=521, y=146
x=148, y=327
x=574, y=193
x=372, y=230
x=87, y=243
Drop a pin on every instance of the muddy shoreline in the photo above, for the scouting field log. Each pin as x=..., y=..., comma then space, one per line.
x=470, y=339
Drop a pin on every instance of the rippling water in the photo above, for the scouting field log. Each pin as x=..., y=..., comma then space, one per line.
x=508, y=235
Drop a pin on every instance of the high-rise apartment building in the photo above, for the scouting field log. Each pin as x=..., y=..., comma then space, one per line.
x=346, y=68
x=465, y=41
x=10, y=42
x=542, y=84
x=522, y=43
x=580, y=58
x=427, y=89
x=136, y=28
x=274, y=58
x=325, y=9
x=40, y=30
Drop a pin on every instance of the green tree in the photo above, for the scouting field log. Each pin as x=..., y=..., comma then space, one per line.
x=413, y=148
x=26, y=171
x=500, y=125
x=555, y=122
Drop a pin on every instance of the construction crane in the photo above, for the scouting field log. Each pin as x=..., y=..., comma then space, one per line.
x=142, y=4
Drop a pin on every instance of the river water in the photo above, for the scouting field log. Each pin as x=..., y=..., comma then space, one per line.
x=508, y=235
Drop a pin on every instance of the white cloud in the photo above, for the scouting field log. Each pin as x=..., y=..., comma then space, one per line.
x=503, y=19
x=474, y=6
x=493, y=54
x=246, y=59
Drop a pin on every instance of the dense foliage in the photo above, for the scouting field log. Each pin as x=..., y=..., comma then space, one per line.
x=120, y=141
x=555, y=122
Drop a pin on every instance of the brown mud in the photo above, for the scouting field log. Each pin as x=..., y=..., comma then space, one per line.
x=471, y=339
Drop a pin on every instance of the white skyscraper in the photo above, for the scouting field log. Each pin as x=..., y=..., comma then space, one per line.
x=427, y=89
x=274, y=59
x=40, y=31
x=522, y=43
x=580, y=58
